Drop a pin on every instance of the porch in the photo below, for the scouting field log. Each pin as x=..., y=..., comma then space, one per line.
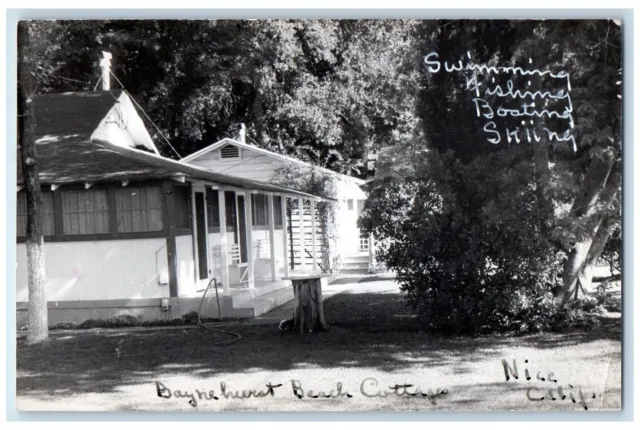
x=248, y=241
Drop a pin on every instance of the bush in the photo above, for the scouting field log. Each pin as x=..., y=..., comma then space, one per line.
x=129, y=321
x=469, y=243
x=113, y=322
x=609, y=300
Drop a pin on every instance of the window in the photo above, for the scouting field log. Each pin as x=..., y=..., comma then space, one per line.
x=360, y=206
x=230, y=208
x=47, y=214
x=213, y=212
x=182, y=206
x=350, y=204
x=229, y=152
x=277, y=210
x=259, y=210
x=85, y=212
x=139, y=209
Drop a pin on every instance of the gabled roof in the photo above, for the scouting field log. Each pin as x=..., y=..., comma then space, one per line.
x=275, y=155
x=66, y=154
x=68, y=117
x=69, y=161
x=67, y=114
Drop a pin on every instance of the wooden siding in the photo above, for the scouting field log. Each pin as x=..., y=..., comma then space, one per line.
x=262, y=167
x=251, y=165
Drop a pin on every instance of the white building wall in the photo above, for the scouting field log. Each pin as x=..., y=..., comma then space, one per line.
x=260, y=167
x=100, y=270
x=185, y=266
x=251, y=165
x=348, y=232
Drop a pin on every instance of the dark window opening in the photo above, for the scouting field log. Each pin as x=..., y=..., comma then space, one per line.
x=201, y=231
x=85, y=212
x=259, y=210
x=47, y=214
x=182, y=206
x=230, y=208
x=213, y=211
x=139, y=209
x=277, y=211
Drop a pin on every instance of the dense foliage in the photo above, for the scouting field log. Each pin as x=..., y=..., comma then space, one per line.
x=329, y=92
x=504, y=236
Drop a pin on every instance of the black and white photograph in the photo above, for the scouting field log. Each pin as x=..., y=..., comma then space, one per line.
x=345, y=215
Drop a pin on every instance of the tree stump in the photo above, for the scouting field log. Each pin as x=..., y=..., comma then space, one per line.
x=308, y=314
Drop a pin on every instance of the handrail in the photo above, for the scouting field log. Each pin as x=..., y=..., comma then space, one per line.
x=310, y=255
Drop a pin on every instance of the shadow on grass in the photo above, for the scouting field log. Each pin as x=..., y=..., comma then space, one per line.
x=368, y=330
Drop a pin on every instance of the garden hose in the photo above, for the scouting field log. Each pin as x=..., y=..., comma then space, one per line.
x=215, y=328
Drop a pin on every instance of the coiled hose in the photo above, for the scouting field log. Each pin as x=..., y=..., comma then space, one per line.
x=215, y=328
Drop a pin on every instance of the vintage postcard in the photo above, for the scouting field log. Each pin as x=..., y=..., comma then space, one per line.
x=319, y=215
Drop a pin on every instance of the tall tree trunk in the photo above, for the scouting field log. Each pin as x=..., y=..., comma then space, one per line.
x=38, y=318
x=600, y=188
x=585, y=277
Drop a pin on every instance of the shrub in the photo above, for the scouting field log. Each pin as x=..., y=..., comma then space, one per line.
x=609, y=300
x=113, y=322
x=468, y=242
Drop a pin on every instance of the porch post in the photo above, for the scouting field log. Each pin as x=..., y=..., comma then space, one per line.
x=224, y=248
x=248, y=222
x=194, y=235
x=313, y=235
x=301, y=222
x=170, y=227
x=285, y=234
x=272, y=236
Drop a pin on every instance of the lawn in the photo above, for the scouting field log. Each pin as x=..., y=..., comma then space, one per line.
x=374, y=343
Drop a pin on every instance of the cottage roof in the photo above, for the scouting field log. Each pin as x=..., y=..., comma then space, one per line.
x=227, y=141
x=66, y=153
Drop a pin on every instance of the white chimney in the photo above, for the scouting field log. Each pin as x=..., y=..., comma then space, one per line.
x=105, y=64
x=243, y=132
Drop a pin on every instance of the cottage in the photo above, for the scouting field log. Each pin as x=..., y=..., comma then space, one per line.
x=242, y=160
x=128, y=231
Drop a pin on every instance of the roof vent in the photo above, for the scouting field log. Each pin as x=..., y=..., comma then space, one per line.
x=229, y=151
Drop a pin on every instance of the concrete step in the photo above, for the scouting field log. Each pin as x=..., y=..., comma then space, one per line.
x=359, y=260
x=267, y=302
x=355, y=271
x=359, y=265
x=241, y=296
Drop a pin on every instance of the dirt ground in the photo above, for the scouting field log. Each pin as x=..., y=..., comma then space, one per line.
x=374, y=357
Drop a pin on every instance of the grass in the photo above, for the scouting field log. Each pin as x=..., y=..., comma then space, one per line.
x=372, y=335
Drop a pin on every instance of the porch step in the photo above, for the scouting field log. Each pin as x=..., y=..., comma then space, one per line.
x=265, y=303
x=349, y=271
x=364, y=265
x=348, y=259
x=241, y=297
